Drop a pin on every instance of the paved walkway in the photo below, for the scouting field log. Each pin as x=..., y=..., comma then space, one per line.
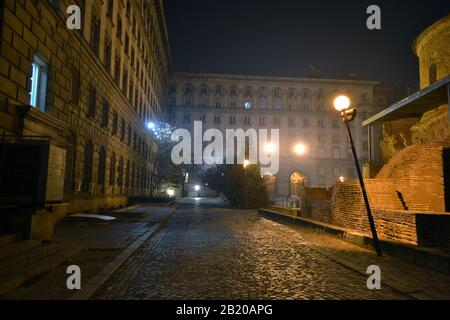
x=101, y=244
x=217, y=253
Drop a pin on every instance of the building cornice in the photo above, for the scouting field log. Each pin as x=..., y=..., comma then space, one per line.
x=249, y=78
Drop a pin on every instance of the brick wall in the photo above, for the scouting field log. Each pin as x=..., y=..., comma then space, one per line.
x=417, y=172
x=32, y=28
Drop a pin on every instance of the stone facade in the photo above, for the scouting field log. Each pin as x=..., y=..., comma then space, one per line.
x=302, y=108
x=432, y=47
x=105, y=82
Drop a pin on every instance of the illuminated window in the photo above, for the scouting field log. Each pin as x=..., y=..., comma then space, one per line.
x=39, y=83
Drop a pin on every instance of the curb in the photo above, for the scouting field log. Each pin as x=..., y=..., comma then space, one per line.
x=423, y=257
x=99, y=279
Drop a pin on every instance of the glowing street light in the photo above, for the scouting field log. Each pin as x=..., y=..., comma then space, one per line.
x=270, y=148
x=151, y=125
x=170, y=192
x=197, y=187
x=342, y=104
x=300, y=149
x=341, y=179
x=246, y=163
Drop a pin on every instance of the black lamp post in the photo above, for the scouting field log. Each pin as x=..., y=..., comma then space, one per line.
x=342, y=104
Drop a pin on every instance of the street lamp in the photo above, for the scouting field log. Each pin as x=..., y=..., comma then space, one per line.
x=342, y=104
x=300, y=149
x=246, y=163
x=270, y=148
x=197, y=187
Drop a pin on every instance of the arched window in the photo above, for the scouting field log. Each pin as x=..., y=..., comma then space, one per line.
x=204, y=90
x=433, y=74
x=277, y=93
x=112, y=170
x=291, y=93
x=88, y=159
x=233, y=91
x=188, y=89
x=219, y=91
x=120, y=171
x=248, y=92
x=101, y=166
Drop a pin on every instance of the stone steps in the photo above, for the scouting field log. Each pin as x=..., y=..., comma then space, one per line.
x=18, y=247
x=8, y=238
x=17, y=261
x=23, y=260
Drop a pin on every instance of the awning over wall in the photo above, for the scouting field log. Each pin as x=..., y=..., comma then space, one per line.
x=417, y=104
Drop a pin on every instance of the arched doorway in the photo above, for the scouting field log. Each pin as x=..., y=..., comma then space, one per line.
x=297, y=183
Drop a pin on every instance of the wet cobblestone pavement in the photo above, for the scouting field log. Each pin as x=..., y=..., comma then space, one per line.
x=216, y=253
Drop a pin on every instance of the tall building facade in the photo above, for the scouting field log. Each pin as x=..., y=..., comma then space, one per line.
x=89, y=92
x=301, y=108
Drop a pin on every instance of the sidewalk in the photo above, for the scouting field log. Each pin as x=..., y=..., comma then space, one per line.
x=104, y=247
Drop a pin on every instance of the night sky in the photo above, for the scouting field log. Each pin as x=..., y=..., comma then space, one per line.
x=287, y=37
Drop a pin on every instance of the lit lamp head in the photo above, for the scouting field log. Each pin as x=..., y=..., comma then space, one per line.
x=300, y=149
x=197, y=187
x=246, y=163
x=269, y=148
x=151, y=125
x=342, y=104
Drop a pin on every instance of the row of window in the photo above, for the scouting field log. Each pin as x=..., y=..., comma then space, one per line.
x=249, y=92
x=121, y=173
x=246, y=120
x=143, y=102
x=38, y=100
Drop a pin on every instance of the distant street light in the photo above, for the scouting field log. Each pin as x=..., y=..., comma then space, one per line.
x=151, y=125
x=197, y=187
x=300, y=149
x=342, y=104
x=270, y=148
x=341, y=179
x=170, y=192
x=246, y=163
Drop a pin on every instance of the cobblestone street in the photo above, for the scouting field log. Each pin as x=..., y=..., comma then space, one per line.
x=216, y=253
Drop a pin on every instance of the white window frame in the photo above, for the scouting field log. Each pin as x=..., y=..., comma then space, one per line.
x=39, y=81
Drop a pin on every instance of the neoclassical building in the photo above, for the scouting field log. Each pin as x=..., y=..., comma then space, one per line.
x=86, y=96
x=301, y=108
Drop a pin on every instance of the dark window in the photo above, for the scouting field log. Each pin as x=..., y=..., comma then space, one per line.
x=76, y=87
x=109, y=9
x=433, y=74
x=129, y=135
x=119, y=26
x=101, y=166
x=117, y=69
x=92, y=102
x=122, y=130
x=115, y=122
x=120, y=171
x=88, y=158
x=107, y=54
x=127, y=175
x=95, y=34
x=105, y=114
x=125, y=81
x=112, y=170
